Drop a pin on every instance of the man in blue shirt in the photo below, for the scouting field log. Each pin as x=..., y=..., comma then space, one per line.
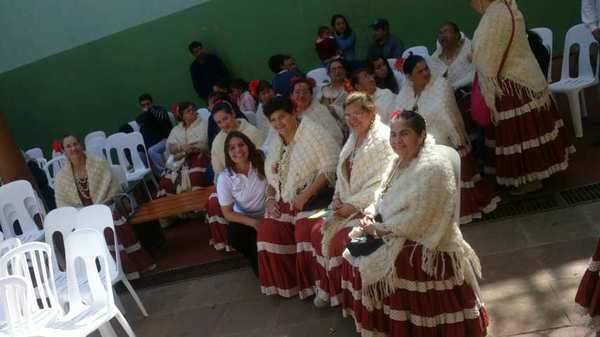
x=384, y=44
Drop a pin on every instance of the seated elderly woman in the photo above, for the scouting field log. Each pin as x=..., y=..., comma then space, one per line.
x=241, y=189
x=224, y=115
x=334, y=94
x=188, y=146
x=306, y=106
x=365, y=159
x=86, y=180
x=363, y=81
x=300, y=168
x=417, y=264
x=384, y=75
x=434, y=99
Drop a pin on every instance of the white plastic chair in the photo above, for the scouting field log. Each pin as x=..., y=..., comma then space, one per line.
x=99, y=218
x=8, y=245
x=96, y=147
x=417, y=50
x=134, y=125
x=22, y=315
x=574, y=87
x=251, y=116
x=18, y=205
x=133, y=143
x=41, y=163
x=52, y=167
x=35, y=153
x=120, y=175
x=454, y=158
x=398, y=73
x=94, y=135
x=548, y=41
x=320, y=76
x=86, y=251
x=61, y=221
x=203, y=113
x=31, y=261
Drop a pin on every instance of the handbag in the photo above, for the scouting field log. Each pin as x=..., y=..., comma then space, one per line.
x=320, y=200
x=480, y=111
x=364, y=245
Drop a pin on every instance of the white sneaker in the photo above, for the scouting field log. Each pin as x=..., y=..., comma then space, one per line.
x=319, y=302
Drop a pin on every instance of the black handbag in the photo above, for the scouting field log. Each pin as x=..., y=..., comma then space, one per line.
x=320, y=200
x=364, y=246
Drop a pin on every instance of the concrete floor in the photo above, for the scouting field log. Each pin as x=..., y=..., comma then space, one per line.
x=532, y=266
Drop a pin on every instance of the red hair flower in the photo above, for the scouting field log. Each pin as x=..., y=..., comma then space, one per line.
x=396, y=114
x=399, y=64
x=253, y=87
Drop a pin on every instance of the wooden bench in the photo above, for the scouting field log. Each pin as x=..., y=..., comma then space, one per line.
x=172, y=205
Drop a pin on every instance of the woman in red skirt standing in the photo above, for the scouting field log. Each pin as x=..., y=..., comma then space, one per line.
x=528, y=139
x=300, y=168
x=420, y=278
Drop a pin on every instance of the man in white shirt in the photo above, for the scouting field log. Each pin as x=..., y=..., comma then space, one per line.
x=590, y=16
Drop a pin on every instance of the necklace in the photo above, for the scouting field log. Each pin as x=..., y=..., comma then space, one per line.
x=82, y=186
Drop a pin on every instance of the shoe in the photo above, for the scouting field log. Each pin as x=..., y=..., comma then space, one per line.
x=319, y=302
x=527, y=188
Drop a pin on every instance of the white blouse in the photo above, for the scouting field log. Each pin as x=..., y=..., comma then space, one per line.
x=245, y=193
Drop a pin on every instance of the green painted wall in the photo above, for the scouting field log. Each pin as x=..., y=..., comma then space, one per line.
x=95, y=86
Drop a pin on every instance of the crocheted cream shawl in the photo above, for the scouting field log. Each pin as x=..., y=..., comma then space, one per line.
x=217, y=154
x=489, y=43
x=321, y=114
x=461, y=71
x=384, y=101
x=372, y=161
x=101, y=184
x=313, y=152
x=437, y=105
x=197, y=132
x=419, y=205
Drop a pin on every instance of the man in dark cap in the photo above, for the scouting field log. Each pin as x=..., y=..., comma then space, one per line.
x=384, y=44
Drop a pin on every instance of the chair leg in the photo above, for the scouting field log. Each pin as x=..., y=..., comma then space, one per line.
x=106, y=330
x=575, y=113
x=118, y=302
x=125, y=324
x=135, y=296
x=584, y=111
x=145, y=183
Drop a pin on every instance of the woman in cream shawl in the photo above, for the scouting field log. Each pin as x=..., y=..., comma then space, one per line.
x=422, y=281
x=528, y=138
x=363, y=162
x=87, y=180
x=300, y=168
x=189, y=154
x=224, y=115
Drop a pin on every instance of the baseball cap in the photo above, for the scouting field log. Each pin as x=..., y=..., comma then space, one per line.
x=380, y=23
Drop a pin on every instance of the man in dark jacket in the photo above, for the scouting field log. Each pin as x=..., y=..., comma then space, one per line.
x=155, y=126
x=206, y=70
x=384, y=43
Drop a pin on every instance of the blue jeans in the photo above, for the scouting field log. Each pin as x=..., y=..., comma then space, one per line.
x=155, y=153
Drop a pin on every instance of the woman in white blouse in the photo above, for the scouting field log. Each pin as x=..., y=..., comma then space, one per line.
x=241, y=191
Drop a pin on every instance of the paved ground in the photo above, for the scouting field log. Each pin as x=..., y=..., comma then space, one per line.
x=532, y=266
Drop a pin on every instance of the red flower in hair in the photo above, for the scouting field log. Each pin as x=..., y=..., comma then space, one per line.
x=253, y=87
x=396, y=114
x=348, y=86
x=399, y=64
x=57, y=146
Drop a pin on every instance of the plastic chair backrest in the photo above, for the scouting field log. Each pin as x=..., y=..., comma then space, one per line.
x=100, y=218
x=251, y=116
x=19, y=203
x=203, y=113
x=547, y=39
x=53, y=166
x=60, y=220
x=35, y=153
x=8, y=245
x=134, y=125
x=30, y=260
x=417, y=50
x=41, y=163
x=16, y=303
x=120, y=175
x=120, y=142
x=88, y=257
x=96, y=147
x=138, y=148
x=94, y=136
x=454, y=159
x=579, y=35
x=320, y=76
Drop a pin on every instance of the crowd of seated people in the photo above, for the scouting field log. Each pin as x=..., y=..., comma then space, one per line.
x=342, y=191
